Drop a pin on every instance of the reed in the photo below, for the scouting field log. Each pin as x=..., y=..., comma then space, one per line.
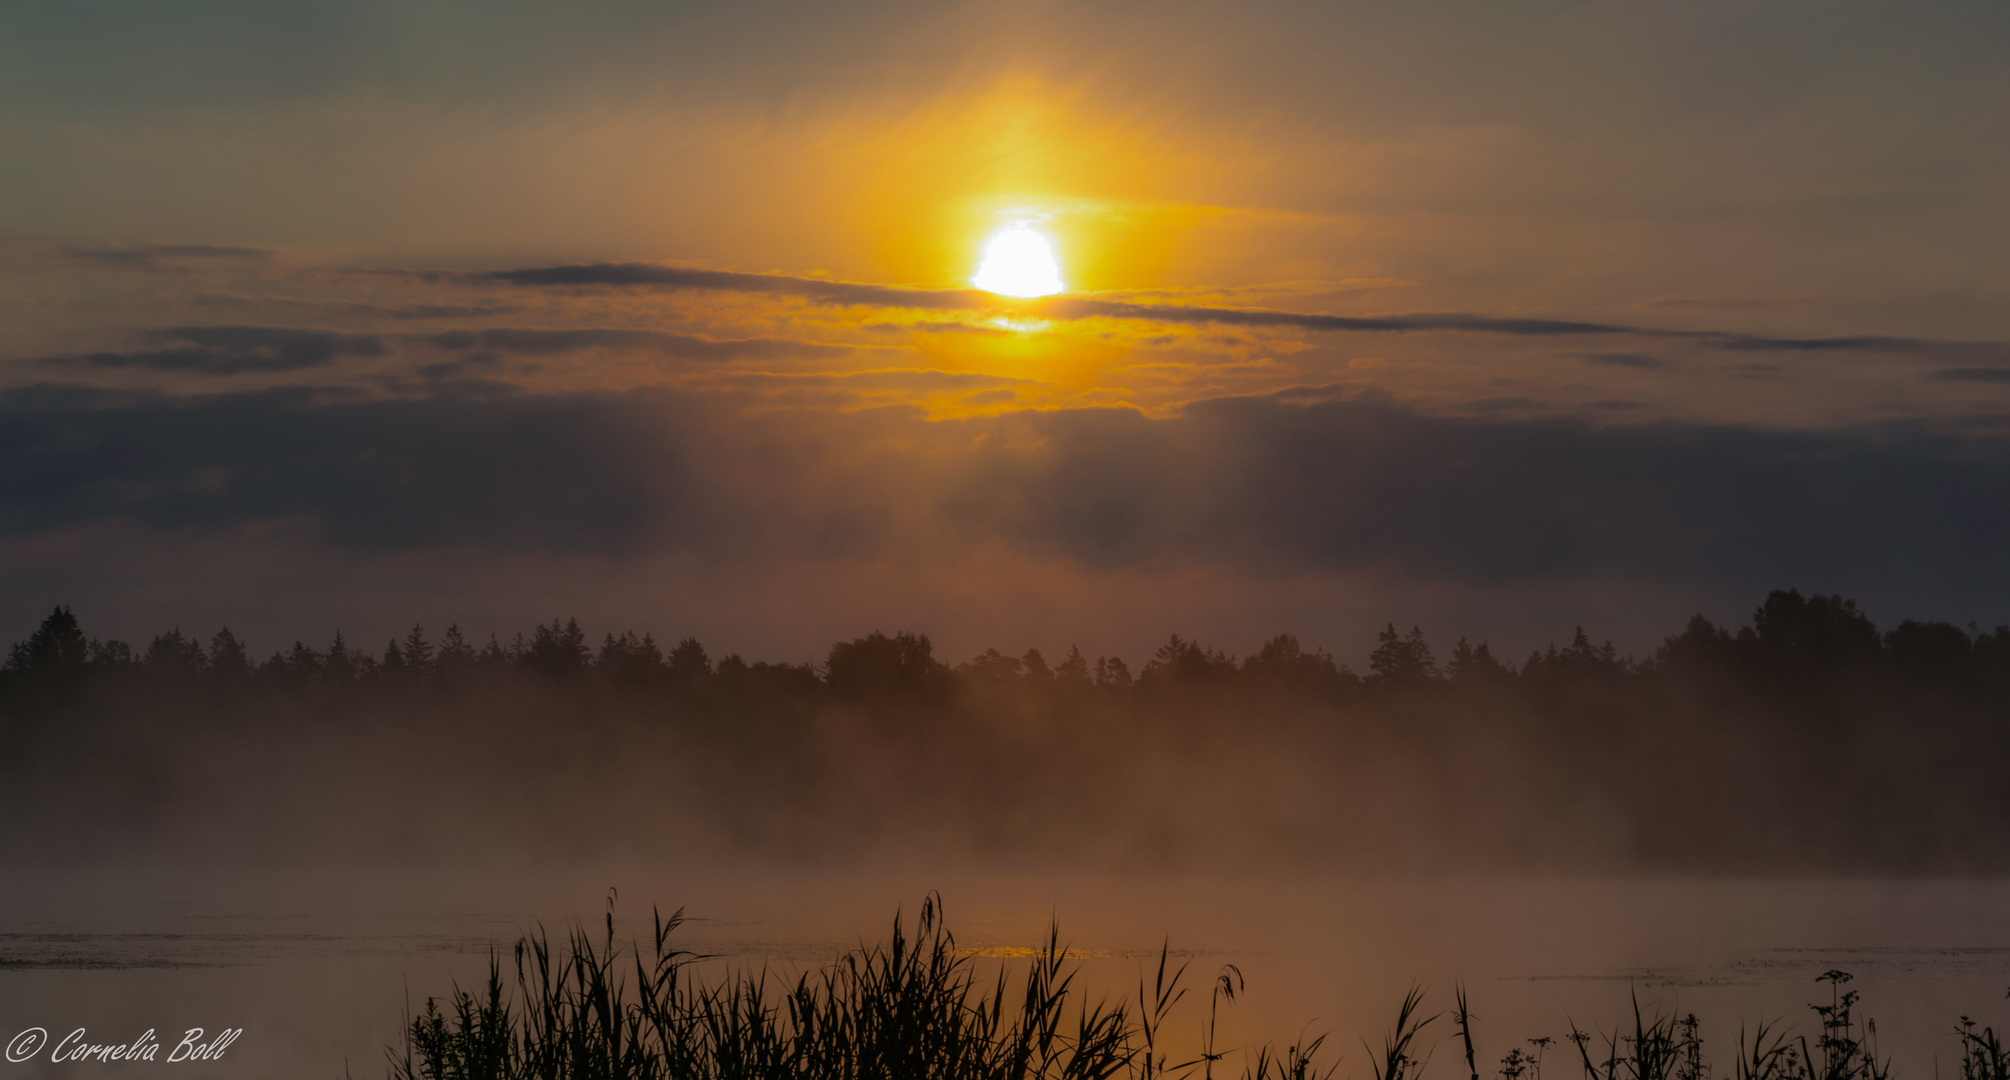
x=916, y=1008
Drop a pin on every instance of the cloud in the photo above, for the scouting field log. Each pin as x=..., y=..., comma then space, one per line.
x=1359, y=484
x=355, y=309
x=1258, y=486
x=508, y=473
x=921, y=379
x=630, y=275
x=1470, y=323
x=1971, y=374
x=686, y=346
x=1727, y=303
x=1859, y=343
x=653, y=275
x=933, y=327
x=1423, y=322
x=1632, y=360
x=233, y=350
x=158, y=257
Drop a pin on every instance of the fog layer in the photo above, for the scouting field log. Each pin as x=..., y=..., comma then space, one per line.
x=1807, y=742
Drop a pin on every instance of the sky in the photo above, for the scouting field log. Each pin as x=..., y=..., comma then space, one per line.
x=1497, y=319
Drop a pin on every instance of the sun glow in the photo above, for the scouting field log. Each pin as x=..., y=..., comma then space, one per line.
x=1019, y=262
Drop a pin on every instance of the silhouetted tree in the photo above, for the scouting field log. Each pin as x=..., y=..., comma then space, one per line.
x=54, y=659
x=1992, y=661
x=1113, y=673
x=1815, y=631
x=1183, y=661
x=880, y=666
x=1036, y=667
x=171, y=655
x=418, y=652
x=340, y=665
x=737, y=677
x=1283, y=660
x=1934, y=652
x=1582, y=661
x=298, y=666
x=557, y=651
x=1073, y=670
x=455, y=652
x=228, y=662
x=992, y=667
x=1402, y=661
x=688, y=662
x=1701, y=646
x=630, y=661
x=108, y=657
x=494, y=657
x=1475, y=664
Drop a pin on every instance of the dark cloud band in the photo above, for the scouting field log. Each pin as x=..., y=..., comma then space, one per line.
x=1259, y=484
x=233, y=350
x=1972, y=374
x=165, y=256
x=652, y=275
x=531, y=342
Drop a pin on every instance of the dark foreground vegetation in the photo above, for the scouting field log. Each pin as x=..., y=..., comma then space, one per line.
x=917, y=1007
x=1806, y=742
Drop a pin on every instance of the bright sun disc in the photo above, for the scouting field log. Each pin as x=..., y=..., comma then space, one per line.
x=1019, y=262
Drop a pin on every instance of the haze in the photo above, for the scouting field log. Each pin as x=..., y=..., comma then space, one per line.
x=336, y=317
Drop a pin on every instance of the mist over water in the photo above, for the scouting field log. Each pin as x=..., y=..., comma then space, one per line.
x=1808, y=743
x=1085, y=463
x=296, y=845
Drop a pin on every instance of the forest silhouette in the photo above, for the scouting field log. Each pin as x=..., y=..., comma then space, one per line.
x=1806, y=742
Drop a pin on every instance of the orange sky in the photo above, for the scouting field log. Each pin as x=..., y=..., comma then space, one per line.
x=1726, y=219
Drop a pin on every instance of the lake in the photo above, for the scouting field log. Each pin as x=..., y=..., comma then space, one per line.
x=317, y=967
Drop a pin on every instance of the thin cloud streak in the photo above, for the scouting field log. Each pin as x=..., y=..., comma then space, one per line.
x=1629, y=360
x=887, y=378
x=234, y=350
x=1971, y=374
x=652, y=275
x=151, y=257
x=532, y=342
x=675, y=277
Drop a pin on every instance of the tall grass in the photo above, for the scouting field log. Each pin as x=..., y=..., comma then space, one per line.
x=916, y=1007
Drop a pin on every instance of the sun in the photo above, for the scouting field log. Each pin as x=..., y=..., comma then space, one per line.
x=1019, y=262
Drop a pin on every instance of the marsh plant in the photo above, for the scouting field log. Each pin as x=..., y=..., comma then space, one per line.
x=918, y=1007
x=913, y=1007
x=1982, y=1055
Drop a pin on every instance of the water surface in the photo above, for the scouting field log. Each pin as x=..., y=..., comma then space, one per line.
x=319, y=968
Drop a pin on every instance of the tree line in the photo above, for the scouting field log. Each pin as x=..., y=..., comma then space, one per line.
x=1807, y=740
x=1790, y=640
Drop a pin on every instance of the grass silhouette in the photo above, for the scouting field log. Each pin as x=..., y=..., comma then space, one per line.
x=916, y=1008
